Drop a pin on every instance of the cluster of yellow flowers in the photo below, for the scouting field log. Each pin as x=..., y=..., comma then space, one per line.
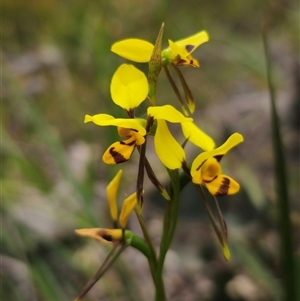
x=129, y=88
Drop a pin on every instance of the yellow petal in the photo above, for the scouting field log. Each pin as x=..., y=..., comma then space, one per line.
x=106, y=236
x=176, y=51
x=137, y=124
x=111, y=191
x=197, y=136
x=222, y=185
x=167, y=148
x=193, y=42
x=168, y=113
x=135, y=50
x=127, y=208
x=231, y=142
x=129, y=87
x=99, y=119
x=119, y=152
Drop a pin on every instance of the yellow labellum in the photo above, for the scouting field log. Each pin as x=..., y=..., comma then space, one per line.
x=231, y=142
x=119, y=151
x=106, y=236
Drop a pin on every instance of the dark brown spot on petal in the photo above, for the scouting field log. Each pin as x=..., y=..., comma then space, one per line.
x=189, y=48
x=218, y=157
x=223, y=189
x=129, y=144
x=107, y=237
x=119, y=158
x=206, y=181
x=201, y=165
x=180, y=62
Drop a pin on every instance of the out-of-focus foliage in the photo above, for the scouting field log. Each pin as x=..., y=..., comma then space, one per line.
x=57, y=67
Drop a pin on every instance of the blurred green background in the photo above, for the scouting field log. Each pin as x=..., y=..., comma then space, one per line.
x=57, y=67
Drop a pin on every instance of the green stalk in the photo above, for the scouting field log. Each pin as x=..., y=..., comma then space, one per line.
x=151, y=254
x=287, y=258
x=169, y=226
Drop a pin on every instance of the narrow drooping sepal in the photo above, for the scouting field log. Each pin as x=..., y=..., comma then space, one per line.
x=152, y=177
x=176, y=90
x=190, y=102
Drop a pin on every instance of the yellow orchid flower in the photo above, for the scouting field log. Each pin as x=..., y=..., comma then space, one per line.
x=133, y=130
x=129, y=87
x=206, y=169
x=178, y=53
x=113, y=236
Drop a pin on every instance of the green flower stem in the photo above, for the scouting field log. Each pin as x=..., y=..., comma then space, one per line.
x=140, y=244
x=150, y=253
x=169, y=226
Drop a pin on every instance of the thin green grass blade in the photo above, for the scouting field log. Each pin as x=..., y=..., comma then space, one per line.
x=281, y=181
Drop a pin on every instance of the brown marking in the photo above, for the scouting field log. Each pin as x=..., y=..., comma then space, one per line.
x=223, y=189
x=107, y=237
x=218, y=157
x=201, y=165
x=180, y=62
x=189, y=48
x=129, y=144
x=205, y=181
x=119, y=158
